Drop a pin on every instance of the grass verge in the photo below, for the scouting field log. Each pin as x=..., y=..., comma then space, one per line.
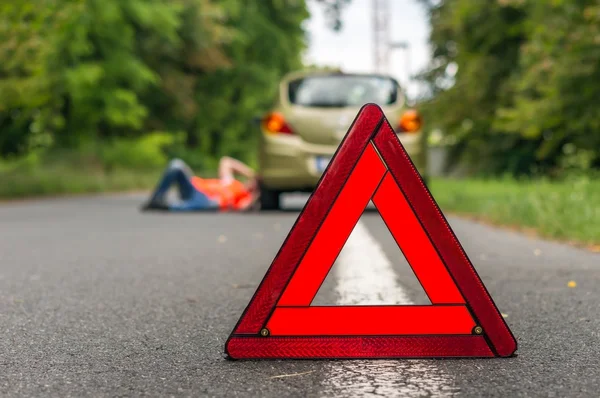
x=568, y=210
x=56, y=182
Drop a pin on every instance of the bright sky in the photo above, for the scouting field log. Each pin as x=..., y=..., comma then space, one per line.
x=351, y=49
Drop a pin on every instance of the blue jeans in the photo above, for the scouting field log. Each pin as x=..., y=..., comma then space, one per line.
x=191, y=199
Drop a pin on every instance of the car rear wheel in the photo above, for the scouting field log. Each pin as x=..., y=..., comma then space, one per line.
x=269, y=199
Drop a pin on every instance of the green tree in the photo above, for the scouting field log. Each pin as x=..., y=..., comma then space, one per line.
x=27, y=31
x=525, y=94
x=475, y=47
x=85, y=70
x=557, y=89
x=268, y=43
x=79, y=71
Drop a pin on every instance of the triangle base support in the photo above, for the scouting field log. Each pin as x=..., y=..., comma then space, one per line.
x=358, y=347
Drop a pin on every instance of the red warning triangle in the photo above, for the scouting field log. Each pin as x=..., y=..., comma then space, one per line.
x=462, y=320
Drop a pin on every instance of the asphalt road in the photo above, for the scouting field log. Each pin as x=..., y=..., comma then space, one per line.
x=98, y=299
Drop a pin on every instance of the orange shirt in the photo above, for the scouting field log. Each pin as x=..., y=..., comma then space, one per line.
x=229, y=194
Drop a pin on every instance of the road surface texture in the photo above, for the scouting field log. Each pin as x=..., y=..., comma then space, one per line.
x=98, y=299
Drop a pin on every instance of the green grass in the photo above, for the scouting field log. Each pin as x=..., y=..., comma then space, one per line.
x=567, y=210
x=88, y=170
x=53, y=182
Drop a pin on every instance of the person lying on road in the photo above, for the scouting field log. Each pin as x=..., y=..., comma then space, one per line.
x=224, y=193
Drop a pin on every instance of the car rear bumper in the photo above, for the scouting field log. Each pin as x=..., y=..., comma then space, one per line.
x=288, y=163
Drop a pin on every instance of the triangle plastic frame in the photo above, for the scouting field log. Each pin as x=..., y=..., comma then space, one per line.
x=371, y=164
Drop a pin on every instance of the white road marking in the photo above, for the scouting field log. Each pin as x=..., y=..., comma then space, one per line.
x=364, y=275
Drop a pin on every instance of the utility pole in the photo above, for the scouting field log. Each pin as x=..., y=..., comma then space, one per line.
x=382, y=43
x=381, y=35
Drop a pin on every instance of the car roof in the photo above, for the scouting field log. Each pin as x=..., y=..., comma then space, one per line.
x=326, y=72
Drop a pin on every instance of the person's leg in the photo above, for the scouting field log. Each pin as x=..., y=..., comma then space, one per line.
x=177, y=172
x=180, y=174
x=198, y=201
x=184, y=184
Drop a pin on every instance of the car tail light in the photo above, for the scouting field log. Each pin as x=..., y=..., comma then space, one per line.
x=410, y=122
x=275, y=123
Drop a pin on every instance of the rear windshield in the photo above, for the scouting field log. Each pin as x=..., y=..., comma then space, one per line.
x=342, y=91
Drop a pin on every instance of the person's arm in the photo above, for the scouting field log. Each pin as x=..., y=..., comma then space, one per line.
x=229, y=166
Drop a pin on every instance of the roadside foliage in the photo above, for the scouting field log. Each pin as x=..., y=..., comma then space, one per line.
x=514, y=85
x=81, y=73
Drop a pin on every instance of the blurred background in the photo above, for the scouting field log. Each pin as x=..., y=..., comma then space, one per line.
x=97, y=95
